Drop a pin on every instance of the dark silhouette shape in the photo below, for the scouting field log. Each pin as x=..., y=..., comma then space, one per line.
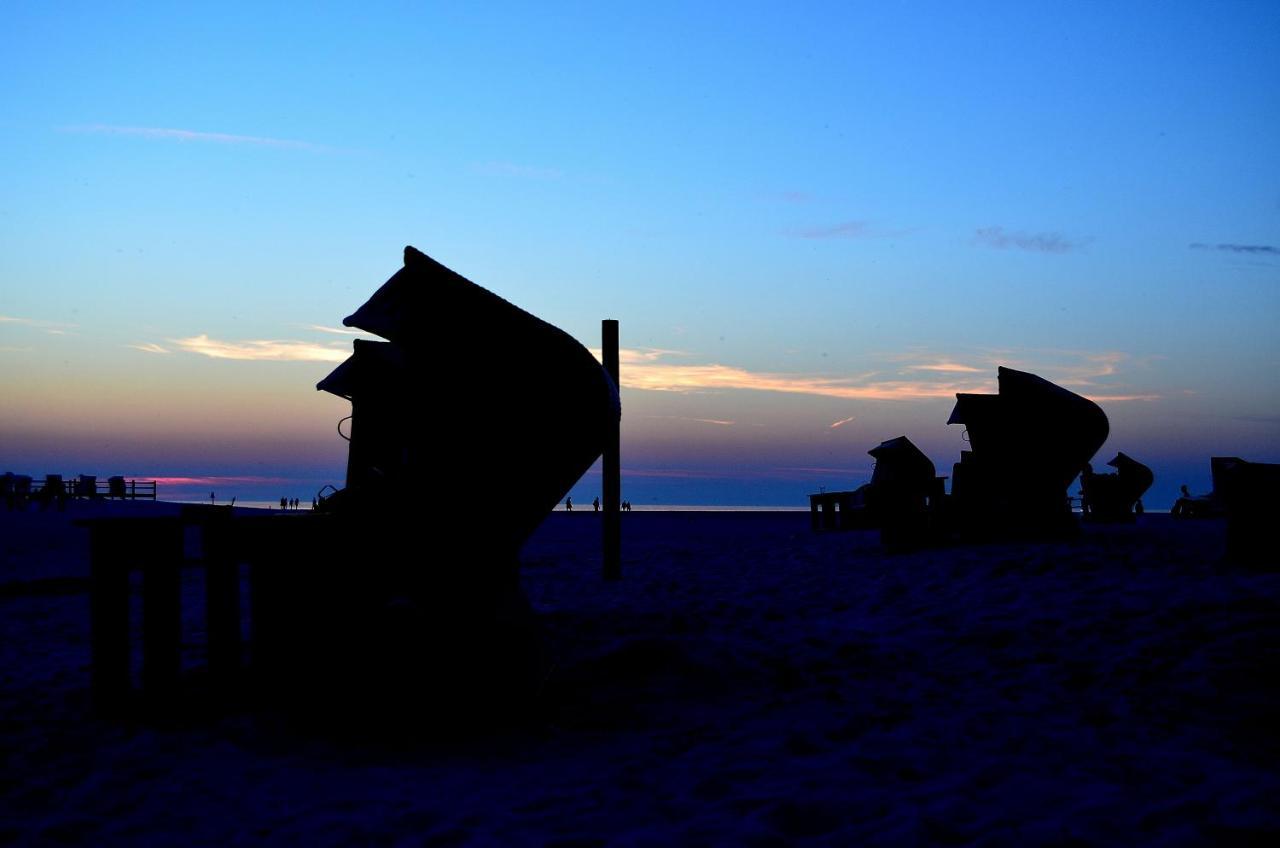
x=86, y=486
x=1212, y=505
x=899, y=491
x=1086, y=505
x=54, y=491
x=899, y=500
x=1198, y=506
x=1027, y=443
x=510, y=383
x=568, y=504
x=1115, y=497
x=468, y=395
x=1249, y=492
x=595, y=504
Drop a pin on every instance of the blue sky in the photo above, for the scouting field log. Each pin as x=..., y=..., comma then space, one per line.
x=800, y=215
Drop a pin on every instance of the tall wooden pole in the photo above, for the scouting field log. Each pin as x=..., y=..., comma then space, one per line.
x=612, y=467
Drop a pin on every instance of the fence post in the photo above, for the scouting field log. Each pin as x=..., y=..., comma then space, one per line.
x=612, y=473
x=109, y=615
x=161, y=552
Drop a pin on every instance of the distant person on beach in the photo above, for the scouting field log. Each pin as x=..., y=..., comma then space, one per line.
x=1086, y=475
x=1183, y=505
x=568, y=504
x=284, y=504
x=595, y=505
x=211, y=499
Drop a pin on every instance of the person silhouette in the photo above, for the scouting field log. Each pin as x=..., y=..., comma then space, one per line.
x=595, y=505
x=1182, y=506
x=1086, y=478
x=568, y=504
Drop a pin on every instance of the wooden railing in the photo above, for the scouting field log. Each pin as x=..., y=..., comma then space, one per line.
x=74, y=487
x=279, y=552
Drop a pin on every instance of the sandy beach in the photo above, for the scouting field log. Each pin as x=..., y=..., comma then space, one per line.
x=746, y=682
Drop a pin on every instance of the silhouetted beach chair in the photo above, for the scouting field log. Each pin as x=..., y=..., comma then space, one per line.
x=1113, y=497
x=53, y=491
x=516, y=404
x=901, y=486
x=1250, y=494
x=1027, y=443
x=86, y=486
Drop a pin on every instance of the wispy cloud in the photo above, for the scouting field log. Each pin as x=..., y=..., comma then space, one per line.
x=339, y=331
x=148, y=347
x=638, y=355
x=1075, y=369
x=998, y=238
x=261, y=350
x=511, y=169
x=837, y=424
x=914, y=377
x=718, y=421
x=1085, y=372
x=946, y=368
x=809, y=469
x=53, y=328
x=1256, y=249
x=1119, y=398
x=843, y=230
x=173, y=134
x=652, y=371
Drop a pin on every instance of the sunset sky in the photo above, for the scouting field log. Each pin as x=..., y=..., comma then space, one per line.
x=815, y=223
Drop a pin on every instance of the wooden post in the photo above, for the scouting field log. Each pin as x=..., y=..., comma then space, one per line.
x=612, y=472
x=222, y=600
x=268, y=595
x=160, y=542
x=109, y=615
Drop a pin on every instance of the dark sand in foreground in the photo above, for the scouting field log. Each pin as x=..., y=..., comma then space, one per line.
x=747, y=682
